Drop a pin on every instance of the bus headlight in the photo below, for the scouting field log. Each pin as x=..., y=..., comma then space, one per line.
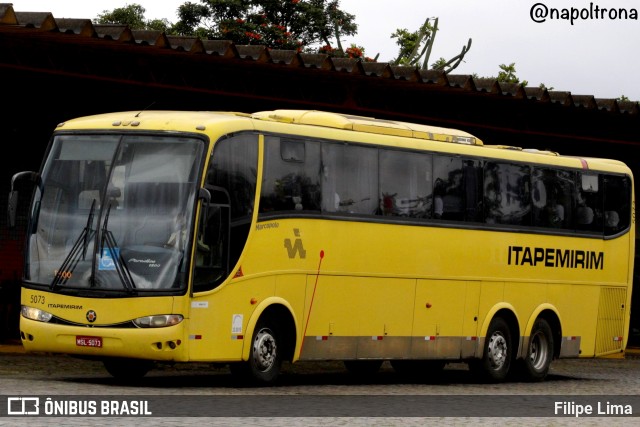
x=158, y=321
x=33, y=313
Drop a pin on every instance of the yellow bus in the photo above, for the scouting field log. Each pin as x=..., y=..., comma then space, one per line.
x=290, y=235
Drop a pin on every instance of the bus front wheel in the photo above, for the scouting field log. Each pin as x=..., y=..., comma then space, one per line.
x=265, y=357
x=496, y=358
x=536, y=362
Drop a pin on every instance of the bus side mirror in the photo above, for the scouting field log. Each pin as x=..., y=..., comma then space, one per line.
x=12, y=206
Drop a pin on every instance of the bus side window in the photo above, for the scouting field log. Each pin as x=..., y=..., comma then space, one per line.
x=448, y=188
x=552, y=198
x=291, y=180
x=617, y=191
x=472, y=176
x=507, y=198
x=405, y=184
x=349, y=179
x=588, y=203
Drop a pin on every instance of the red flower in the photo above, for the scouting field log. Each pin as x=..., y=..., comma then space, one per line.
x=253, y=35
x=354, y=52
x=326, y=49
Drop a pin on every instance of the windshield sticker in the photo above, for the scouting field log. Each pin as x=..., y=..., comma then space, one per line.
x=106, y=260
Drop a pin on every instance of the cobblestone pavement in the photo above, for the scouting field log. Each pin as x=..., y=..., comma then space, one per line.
x=51, y=375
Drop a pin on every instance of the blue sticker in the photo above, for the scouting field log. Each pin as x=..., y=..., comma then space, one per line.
x=106, y=260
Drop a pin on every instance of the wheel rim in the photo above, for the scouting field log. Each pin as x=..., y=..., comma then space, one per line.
x=538, y=351
x=497, y=349
x=264, y=350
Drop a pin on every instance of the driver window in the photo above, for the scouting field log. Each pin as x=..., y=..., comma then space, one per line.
x=212, y=242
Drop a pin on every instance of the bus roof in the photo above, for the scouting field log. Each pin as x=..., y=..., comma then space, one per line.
x=369, y=125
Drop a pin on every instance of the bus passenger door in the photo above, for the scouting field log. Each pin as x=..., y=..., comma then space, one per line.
x=209, y=328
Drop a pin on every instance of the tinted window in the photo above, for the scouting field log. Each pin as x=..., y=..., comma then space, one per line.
x=349, y=179
x=233, y=167
x=304, y=175
x=507, y=194
x=405, y=184
x=448, y=191
x=589, y=212
x=617, y=191
x=552, y=197
x=472, y=178
x=291, y=180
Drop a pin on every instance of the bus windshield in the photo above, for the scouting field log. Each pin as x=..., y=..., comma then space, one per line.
x=112, y=212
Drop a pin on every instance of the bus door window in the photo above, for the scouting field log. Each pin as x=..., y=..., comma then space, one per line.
x=350, y=179
x=291, y=178
x=406, y=184
x=212, y=241
x=507, y=197
x=233, y=168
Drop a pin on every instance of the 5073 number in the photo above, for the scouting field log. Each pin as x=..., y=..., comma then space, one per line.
x=37, y=299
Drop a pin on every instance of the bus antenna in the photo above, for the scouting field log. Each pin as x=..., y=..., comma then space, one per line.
x=145, y=109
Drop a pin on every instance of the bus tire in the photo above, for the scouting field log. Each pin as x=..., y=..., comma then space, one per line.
x=535, y=365
x=265, y=357
x=498, y=352
x=127, y=369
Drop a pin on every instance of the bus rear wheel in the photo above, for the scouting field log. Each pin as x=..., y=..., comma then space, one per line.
x=536, y=362
x=498, y=350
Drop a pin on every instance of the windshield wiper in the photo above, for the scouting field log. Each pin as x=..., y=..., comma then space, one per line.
x=121, y=266
x=78, y=252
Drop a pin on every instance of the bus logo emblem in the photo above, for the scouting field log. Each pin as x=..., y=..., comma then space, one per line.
x=91, y=316
x=296, y=247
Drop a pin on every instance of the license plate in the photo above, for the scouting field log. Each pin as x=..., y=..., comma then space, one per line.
x=85, y=341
